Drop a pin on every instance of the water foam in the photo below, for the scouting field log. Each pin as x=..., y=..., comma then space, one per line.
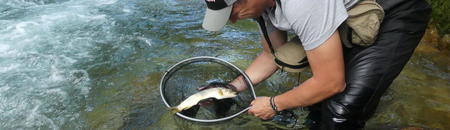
x=4, y=48
x=36, y=118
x=41, y=86
x=8, y=68
x=146, y=40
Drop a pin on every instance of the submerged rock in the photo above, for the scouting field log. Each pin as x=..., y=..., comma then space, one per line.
x=434, y=42
x=445, y=43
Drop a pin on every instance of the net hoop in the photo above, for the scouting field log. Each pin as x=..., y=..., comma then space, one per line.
x=182, y=63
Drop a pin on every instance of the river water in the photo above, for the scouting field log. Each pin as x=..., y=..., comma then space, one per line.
x=96, y=64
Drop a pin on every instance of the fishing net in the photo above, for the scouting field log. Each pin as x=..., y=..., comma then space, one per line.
x=184, y=78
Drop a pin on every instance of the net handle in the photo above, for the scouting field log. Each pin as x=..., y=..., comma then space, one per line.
x=198, y=59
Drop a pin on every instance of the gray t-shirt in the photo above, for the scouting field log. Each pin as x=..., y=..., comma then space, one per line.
x=314, y=21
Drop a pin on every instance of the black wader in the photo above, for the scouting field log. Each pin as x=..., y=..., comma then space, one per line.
x=369, y=71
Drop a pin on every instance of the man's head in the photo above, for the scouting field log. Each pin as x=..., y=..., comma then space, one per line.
x=218, y=12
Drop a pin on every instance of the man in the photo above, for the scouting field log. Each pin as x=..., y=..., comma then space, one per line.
x=347, y=83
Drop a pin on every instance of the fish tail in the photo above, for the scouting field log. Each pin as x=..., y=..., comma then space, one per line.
x=174, y=110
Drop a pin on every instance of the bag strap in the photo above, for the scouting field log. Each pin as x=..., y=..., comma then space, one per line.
x=303, y=63
x=262, y=25
x=279, y=2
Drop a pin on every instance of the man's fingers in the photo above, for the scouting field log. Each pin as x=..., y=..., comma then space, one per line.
x=252, y=103
x=264, y=117
x=206, y=102
x=201, y=88
x=267, y=116
x=250, y=111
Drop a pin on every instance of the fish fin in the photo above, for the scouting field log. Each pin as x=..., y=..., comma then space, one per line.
x=174, y=110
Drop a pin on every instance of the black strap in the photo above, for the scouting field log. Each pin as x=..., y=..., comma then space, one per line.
x=302, y=64
x=262, y=25
x=279, y=2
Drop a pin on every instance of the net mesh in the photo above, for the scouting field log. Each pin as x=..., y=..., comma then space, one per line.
x=183, y=79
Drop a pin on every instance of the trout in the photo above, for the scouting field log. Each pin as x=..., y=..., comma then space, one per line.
x=217, y=93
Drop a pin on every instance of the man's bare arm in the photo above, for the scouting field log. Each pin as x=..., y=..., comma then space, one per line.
x=326, y=62
x=263, y=66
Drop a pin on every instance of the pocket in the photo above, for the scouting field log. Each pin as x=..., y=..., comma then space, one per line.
x=365, y=19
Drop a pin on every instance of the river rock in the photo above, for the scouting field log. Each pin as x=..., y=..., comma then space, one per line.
x=431, y=36
x=444, y=43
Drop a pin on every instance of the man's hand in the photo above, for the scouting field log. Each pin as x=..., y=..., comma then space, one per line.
x=261, y=108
